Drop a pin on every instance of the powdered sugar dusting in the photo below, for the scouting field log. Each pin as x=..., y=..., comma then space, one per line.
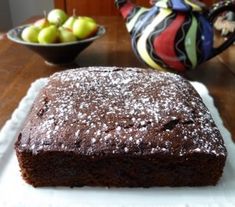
x=110, y=110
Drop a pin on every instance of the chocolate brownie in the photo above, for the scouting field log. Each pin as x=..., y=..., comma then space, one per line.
x=119, y=127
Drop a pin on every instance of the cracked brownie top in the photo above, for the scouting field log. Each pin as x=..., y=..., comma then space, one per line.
x=100, y=111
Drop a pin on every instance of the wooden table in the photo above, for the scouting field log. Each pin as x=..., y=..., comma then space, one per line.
x=19, y=67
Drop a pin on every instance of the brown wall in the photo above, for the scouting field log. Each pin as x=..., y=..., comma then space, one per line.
x=92, y=7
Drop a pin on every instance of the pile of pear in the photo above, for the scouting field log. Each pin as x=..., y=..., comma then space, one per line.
x=58, y=27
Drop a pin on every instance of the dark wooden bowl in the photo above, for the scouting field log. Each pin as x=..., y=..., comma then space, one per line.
x=57, y=53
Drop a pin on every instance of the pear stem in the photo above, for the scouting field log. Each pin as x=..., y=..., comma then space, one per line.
x=45, y=14
x=74, y=12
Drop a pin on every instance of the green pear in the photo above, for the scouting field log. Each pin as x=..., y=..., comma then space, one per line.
x=84, y=28
x=42, y=23
x=69, y=22
x=89, y=19
x=48, y=35
x=66, y=35
x=57, y=17
x=30, y=34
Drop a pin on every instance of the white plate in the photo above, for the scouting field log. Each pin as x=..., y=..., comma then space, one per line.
x=15, y=192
